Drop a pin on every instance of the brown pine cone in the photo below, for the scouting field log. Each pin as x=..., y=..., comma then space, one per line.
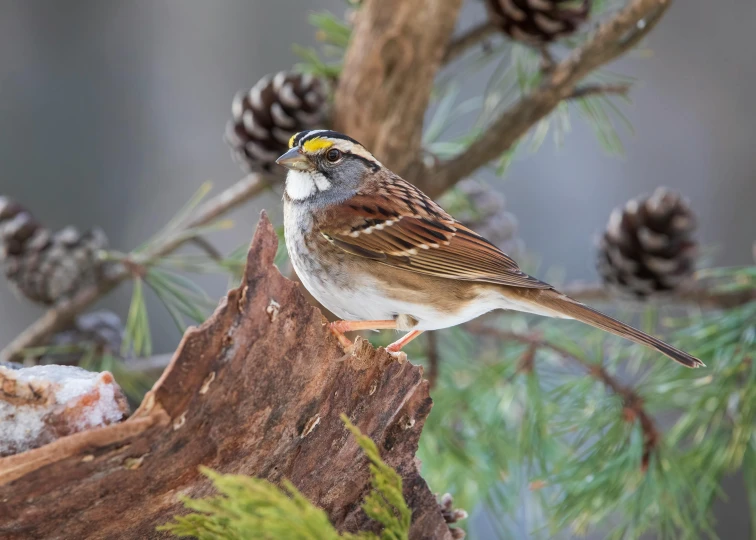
x=46, y=267
x=538, y=21
x=265, y=118
x=648, y=247
x=102, y=331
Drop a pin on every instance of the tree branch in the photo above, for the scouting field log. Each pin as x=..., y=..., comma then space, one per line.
x=612, y=38
x=698, y=295
x=395, y=52
x=598, y=89
x=469, y=39
x=205, y=245
x=632, y=402
x=59, y=317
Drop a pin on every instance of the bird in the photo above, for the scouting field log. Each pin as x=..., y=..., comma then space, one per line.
x=380, y=254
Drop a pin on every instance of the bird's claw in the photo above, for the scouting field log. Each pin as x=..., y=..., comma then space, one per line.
x=400, y=356
x=344, y=341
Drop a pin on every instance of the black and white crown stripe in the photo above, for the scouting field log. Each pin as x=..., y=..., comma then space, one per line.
x=308, y=135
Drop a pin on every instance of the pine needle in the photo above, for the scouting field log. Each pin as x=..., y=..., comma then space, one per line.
x=137, y=335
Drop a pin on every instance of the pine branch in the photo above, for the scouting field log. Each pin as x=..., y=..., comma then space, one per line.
x=698, y=295
x=205, y=245
x=58, y=317
x=612, y=38
x=633, y=403
x=599, y=89
x=468, y=40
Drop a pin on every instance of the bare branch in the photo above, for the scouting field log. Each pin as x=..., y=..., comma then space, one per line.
x=58, y=317
x=152, y=366
x=468, y=40
x=612, y=38
x=599, y=89
x=698, y=295
x=633, y=403
x=205, y=245
x=433, y=361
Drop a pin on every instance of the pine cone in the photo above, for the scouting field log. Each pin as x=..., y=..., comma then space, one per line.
x=101, y=330
x=265, y=118
x=538, y=21
x=483, y=210
x=45, y=267
x=648, y=247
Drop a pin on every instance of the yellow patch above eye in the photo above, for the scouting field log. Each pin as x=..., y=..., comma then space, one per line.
x=291, y=141
x=314, y=145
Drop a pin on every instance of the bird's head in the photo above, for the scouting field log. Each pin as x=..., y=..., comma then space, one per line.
x=326, y=165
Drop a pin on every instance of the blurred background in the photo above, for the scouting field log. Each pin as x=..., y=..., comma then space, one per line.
x=112, y=115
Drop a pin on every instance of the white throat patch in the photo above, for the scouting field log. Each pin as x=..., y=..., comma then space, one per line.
x=303, y=184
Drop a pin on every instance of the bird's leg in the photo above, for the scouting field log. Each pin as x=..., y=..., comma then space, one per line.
x=338, y=328
x=401, y=342
x=347, y=326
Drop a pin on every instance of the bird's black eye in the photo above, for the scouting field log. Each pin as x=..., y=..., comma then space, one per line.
x=333, y=155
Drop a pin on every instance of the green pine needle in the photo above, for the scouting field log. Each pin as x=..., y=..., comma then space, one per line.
x=137, y=335
x=177, y=220
x=180, y=295
x=334, y=34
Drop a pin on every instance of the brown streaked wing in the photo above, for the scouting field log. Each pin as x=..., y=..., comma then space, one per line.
x=398, y=225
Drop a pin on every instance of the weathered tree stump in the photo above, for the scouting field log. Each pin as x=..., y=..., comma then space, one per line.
x=256, y=390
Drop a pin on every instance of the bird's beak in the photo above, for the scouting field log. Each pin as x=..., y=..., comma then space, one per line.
x=294, y=160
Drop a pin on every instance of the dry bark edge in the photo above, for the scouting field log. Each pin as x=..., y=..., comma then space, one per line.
x=238, y=397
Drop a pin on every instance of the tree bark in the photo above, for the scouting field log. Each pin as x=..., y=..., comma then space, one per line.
x=396, y=50
x=256, y=390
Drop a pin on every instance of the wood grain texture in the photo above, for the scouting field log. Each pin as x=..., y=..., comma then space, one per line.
x=241, y=395
x=396, y=50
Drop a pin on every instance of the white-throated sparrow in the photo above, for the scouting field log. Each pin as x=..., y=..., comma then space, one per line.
x=380, y=254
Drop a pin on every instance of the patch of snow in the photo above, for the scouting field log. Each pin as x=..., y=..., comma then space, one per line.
x=42, y=403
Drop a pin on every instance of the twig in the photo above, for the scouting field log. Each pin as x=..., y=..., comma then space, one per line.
x=152, y=366
x=205, y=245
x=58, y=317
x=432, y=358
x=698, y=295
x=632, y=402
x=612, y=38
x=596, y=89
x=467, y=40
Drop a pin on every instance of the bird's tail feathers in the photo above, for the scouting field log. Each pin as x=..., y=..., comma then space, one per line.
x=565, y=306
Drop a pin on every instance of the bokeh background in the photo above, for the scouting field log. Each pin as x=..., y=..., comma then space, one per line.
x=111, y=115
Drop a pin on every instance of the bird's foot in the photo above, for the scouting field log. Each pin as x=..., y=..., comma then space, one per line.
x=338, y=328
x=399, y=356
x=344, y=341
